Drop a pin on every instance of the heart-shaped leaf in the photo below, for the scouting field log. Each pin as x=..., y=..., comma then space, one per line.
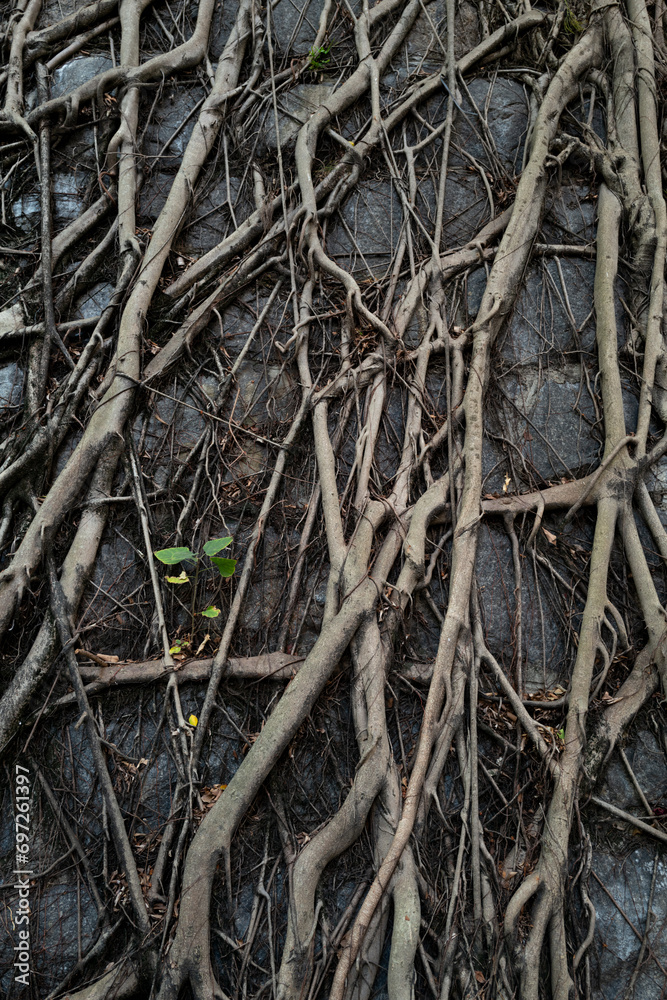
x=172, y=556
x=214, y=545
x=211, y=612
x=226, y=567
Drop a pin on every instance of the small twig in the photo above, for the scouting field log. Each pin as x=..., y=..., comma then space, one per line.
x=629, y=818
x=633, y=779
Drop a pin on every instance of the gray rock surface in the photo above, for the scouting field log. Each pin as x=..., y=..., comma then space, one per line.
x=628, y=881
x=153, y=195
x=11, y=319
x=545, y=660
x=467, y=205
x=94, y=301
x=67, y=191
x=495, y=121
x=294, y=110
x=551, y=314
x=371, y=221
x=648, y=762
x=548, y=415
x=185, y=425
x=296, y=22
x=571, y=215
x=11, y=385
x=26, y=211
x=77, y=71
x=54, y=935
x=78, y=764
x=424, y=46
x=113, y=589
x=211, y=217
x=174, y=113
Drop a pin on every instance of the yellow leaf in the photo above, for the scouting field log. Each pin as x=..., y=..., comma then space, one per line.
x=193, y=720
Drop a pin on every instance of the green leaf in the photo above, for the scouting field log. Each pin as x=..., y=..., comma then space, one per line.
x=226, y=567
x=210, y=612
x=172, y=556
x=215, y=545
x=316, y=57
x=182, y=578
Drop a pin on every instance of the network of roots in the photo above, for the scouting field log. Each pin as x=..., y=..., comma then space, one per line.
x=377, y=293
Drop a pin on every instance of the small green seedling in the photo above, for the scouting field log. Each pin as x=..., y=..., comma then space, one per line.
x=319, y=58
x=181, y=553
